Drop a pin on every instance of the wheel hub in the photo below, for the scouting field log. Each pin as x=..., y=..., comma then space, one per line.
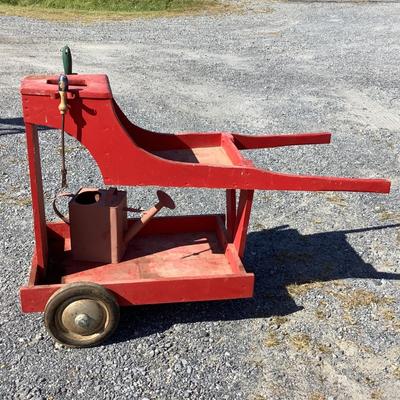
x=83, y=321
x=83, y=317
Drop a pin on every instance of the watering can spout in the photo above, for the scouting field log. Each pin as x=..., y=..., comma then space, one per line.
x=163, y=201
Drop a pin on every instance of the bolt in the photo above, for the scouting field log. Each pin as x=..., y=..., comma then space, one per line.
x=82, y=320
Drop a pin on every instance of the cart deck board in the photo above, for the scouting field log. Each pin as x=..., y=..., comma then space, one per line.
x=173, y=259
x=215, y=155
x=159, y=256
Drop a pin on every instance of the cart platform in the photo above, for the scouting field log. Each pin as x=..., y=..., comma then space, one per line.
x=173, y=259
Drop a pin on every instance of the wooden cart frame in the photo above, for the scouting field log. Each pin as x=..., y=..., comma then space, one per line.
x=174, y=259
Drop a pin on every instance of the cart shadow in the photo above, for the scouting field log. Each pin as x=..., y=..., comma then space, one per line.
x=279, y=257
x=13, y=126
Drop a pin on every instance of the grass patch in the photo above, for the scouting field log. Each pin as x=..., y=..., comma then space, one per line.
x=110, y=5
x=317, y=396
x=321, y=312
x=323, y=348
x=301, y=342
x=16, y=201
x=68, y=149
x=389, y=216
x=349, y=318
x=93, y=10
x=272, y=340
x=337, y=200
x=295, y=289
x=278, y=320
x=376, y=395
x=390, y=316
x=361, y=298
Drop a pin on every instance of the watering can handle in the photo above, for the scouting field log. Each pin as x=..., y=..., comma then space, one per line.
x=57, y=211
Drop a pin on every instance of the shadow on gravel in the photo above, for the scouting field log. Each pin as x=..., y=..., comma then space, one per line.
x=279, y=257
x=13, y=126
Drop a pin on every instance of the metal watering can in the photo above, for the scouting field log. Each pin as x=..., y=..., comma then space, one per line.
x=99, y=225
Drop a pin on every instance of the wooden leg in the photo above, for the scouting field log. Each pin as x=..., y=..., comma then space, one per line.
x=242, y=220
x=230, y=213
x=39, y=218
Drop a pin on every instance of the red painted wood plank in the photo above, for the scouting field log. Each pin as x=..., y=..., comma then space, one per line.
x=233, y=152
x=158, y=256
x=58, y=229
x=221, y=232
x=34, y=276
x=82, y=86
x=230, y=213
x=122, y=161
x=34, y=299
x=266, y=141
x=242, y=220
x=234, y=260
x=35, y=174
x=185, y=290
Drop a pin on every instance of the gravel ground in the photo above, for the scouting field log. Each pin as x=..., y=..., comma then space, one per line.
x=325, y=319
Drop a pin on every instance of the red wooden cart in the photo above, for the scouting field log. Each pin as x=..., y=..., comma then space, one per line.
x=173, y=259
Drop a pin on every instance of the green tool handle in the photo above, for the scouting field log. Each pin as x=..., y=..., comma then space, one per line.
x=67, y=60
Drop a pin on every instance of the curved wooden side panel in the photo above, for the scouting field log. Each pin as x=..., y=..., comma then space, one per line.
x=128, y=155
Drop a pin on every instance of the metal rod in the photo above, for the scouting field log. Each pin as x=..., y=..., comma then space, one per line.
x=63, y=168
x=63, y=108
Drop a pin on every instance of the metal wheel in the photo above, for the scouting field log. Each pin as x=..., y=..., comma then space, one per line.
x=81, y=314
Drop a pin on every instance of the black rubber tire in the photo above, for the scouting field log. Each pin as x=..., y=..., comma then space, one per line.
x=74, y=292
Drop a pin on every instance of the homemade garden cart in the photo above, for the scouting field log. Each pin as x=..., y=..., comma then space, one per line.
x=166, y=259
